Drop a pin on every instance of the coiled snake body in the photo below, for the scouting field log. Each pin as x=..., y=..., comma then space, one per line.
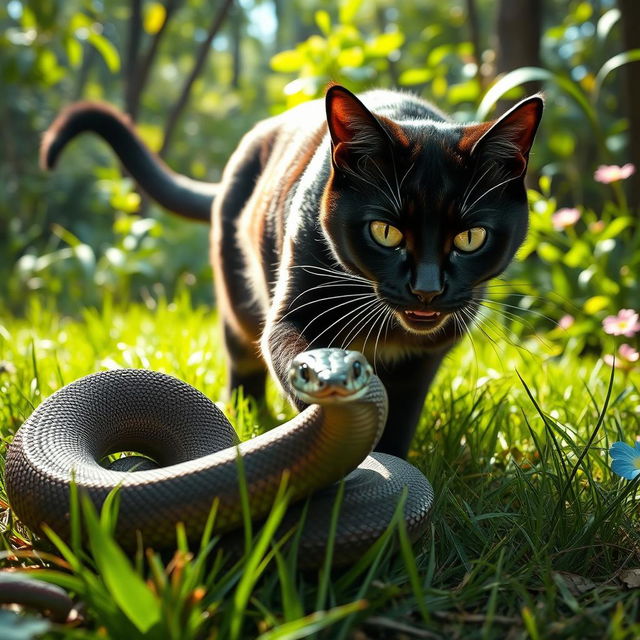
x=196, y=451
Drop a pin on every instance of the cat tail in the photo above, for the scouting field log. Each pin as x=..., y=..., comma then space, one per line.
x=177, y=193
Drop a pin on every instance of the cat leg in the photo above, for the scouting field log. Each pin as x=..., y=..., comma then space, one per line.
x=407, y=383
x=246, y=367
x=281, y=342
x=238, y=308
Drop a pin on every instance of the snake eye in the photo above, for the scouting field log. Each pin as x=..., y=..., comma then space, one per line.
x=357, y=369
x=303, y=369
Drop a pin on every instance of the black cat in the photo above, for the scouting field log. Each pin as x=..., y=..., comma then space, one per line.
x=372, y=226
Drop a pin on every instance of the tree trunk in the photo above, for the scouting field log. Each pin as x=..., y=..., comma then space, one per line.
x=630, y=26
x=518, y=32
x=203, y=53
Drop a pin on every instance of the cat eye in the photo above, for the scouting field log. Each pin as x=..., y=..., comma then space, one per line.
x=385, y=234
x=470, y=240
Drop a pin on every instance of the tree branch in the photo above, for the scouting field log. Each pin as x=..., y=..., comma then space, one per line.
x=201, y=58
x=143, y=68
x=133, y=46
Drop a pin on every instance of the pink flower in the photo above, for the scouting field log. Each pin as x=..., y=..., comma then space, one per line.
x=566, y=321
x=627, y=352
x=624, y=324
x=564, y=218
x=607, y=173
x=627, y=356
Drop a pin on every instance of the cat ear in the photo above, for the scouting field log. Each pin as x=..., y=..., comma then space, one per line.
x=355, y=131
x=509, y=138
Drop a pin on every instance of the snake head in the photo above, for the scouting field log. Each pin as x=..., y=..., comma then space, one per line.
x=329, y=375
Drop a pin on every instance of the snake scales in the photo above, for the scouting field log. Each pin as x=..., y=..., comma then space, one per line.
x=196, y=452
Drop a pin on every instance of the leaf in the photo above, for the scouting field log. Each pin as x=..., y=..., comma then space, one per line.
x=576, y=583
x=549, y=252
x=154, y=17
x=415, y=76
x=127, y=588
x=631, y=578
x=287, y=61
x=606, y=23
x=352, y=57
x=611, y=65
x=323, y=20
x=464, y=92
x=616, y=227
x=108, y=52
x=523, y=75
x=74, y=51
x=385, y=43
x=347, y=11
x=307, y=626
x=595, y=304
x=582, y=12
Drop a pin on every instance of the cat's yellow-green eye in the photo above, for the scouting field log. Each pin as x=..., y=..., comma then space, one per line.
x=385, y=234
x=470, y=240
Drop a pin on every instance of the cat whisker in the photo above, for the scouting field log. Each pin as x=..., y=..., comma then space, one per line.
x=371, y=184
x=486, y=301
x=360, y=322
x=395, y=176
x=489, y=323
x=323, y=271
x=382, y=316
x=333, y=308
x=487, y=192
x=469, y=334
x=341, y=319
x=386, y=319
x=472, y=186
x=394, y=196
x=357, y=296
x=389, y=212
x=515, y=318
x=406, y=174
x=329, y=285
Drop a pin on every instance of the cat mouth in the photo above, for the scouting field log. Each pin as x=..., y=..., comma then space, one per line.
x=420, y=320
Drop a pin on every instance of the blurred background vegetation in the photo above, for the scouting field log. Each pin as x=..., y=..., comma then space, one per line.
x=195, y=75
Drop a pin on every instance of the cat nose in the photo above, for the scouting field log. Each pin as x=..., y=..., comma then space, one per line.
x=427, y=282
x=426, y=297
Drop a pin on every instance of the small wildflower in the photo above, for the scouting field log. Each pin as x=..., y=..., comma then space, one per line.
x=625, y=459
x=607, y=173
x=566, y=321
x=564, y=218
x=627, y=352
x=624, y=324
x=626, y=359
x=598, y=226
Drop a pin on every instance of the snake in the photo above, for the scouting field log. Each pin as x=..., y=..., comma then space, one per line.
x=189, y=457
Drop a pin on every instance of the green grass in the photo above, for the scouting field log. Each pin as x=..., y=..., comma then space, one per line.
x=531, y=537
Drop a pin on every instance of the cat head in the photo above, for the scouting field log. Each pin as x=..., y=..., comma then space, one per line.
x=426, y=209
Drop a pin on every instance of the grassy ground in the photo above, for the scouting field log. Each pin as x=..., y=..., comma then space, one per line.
x=531, y=537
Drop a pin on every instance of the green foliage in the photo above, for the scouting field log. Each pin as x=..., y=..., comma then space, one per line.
x=590, y=264
x=342, y=53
